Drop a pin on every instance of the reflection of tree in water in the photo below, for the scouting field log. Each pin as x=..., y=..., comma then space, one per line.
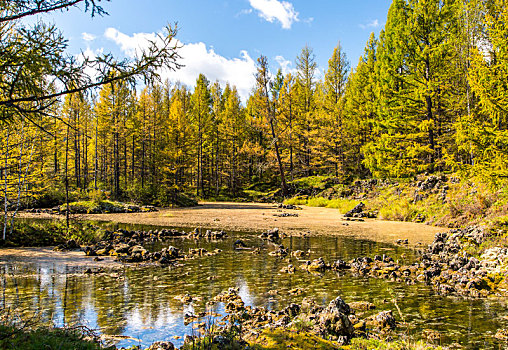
x=76, y=290
x=112, y=303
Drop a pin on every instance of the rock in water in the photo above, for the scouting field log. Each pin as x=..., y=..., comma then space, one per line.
x=385, y=319
x=335, y=319
x=162, y=345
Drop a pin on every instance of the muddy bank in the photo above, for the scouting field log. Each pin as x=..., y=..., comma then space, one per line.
x=256, y=217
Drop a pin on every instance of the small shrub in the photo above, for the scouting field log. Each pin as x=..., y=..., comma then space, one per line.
x=296, y=201
x=402, y=210
x=317, y=202
x=344, y=205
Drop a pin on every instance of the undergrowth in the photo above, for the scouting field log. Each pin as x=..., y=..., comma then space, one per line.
x=43, y=233
x=16, y=334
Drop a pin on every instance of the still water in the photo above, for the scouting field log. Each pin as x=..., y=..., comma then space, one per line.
x=142, y=304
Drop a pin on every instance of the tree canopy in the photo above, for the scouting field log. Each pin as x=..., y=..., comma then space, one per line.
x=36, y=70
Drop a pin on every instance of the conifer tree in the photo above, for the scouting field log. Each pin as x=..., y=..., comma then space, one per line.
x=484, y=133
x=333, y=134
x=201, y=106
x=360, y=106
x=414, y=57
x=263, y=91
x=306, y=83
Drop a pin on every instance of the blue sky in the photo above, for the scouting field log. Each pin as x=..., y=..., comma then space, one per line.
x=223, y=38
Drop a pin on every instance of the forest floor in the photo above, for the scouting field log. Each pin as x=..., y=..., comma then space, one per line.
x=257, y=217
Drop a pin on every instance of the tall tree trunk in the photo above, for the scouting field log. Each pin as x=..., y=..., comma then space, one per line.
x=21, y=183
x=55, y=151
x=5, y=181
x=143, y=150
x=279, y=160
x=77, y=165
x=133, y=156
x=217, y=176
x=96, y=160
x=67, y=218
x=430, y=117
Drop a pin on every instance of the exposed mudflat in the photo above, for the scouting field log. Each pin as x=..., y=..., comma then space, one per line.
x=253, y=217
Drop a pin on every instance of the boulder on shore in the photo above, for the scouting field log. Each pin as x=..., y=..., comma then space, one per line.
x=356, y=210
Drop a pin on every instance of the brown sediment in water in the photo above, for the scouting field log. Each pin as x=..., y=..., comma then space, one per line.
x=256, y=217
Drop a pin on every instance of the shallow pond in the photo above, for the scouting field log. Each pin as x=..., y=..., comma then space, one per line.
x=141, y=305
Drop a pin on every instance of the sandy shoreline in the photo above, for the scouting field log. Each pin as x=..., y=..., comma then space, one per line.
x=256, y=217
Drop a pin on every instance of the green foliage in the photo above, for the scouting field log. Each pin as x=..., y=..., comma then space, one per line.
x=483, y=133
x=402, y=210
x=44, y=233
x=27, y=334
x=95, y=207
x=311, y=182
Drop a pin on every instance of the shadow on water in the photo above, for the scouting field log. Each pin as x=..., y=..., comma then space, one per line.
x=143, y=304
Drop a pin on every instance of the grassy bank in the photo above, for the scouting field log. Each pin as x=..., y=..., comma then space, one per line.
x=27, y=335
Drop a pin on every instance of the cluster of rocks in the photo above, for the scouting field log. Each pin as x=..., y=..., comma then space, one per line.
x=357, y=212
x=443, y=264
x=99, y=209
x=162, y=345
x=208, y=234
x=338, y=321
x=128, y=246
x=446, y=266
x=431, y=185
x=71, y=244
x=272, y=235
x=288, y=206
x=54, y=210
x=286, y=215
x=281, y=251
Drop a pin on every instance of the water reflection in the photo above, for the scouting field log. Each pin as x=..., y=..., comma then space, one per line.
x=142, y=303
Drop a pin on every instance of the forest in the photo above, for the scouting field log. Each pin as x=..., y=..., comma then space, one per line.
x=428, y=95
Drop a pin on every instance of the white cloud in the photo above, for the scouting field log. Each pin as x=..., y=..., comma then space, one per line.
x=197, y=58
x=272, y=10
x=88, y=36
x=371, y=24
x=309, y=20
x=285, y=65
x=130, y=45
x=244, y=12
